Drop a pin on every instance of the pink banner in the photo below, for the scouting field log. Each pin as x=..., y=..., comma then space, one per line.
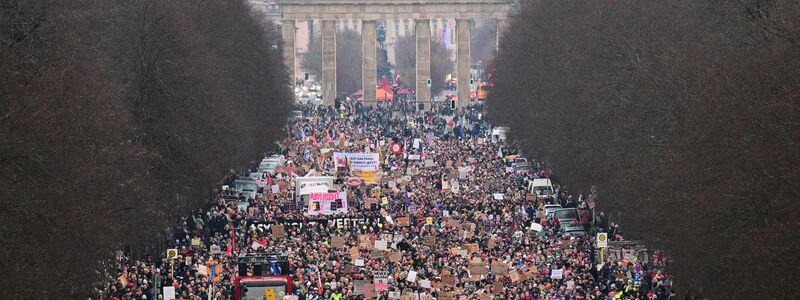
x=324, y=196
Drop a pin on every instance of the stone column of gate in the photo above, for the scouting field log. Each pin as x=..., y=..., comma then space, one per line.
x=369, y=71
x=463, y=32
x=423, y=73
x=328, y=62
x=288, y=31
x=502, y=27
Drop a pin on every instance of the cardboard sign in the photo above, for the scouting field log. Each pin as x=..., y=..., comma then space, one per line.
x=404, y=221
x=365, y=241
x=429, y=240
x=448, y=296
x=369, y=291
x=448, y=278
x=477, y=268
x=354, y=253
x=453, y=223
x=376, y=254
x=395, y=256
x=514, y=275
x=278, y=231
x=498, y=288
x=429, y=220
x=337, y=241
x=499, y=268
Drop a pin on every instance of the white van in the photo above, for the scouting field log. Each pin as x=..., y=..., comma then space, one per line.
x=541, y=187
x=499, y=134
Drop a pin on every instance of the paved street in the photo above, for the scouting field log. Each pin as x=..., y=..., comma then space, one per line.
x=358, y=203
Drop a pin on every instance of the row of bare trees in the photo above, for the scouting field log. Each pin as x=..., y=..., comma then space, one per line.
x=115, y=117
x=685, y=113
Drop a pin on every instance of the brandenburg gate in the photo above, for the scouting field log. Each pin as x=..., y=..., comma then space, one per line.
x=368, y=11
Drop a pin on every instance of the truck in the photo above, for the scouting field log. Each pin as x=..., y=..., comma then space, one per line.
x=262, y=276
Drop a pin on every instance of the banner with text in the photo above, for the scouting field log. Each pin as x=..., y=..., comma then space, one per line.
x=357, y=161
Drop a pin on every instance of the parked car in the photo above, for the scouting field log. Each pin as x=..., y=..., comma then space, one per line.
x=260, y=178
x=549, y=209
x=246, y=186
x=271, y=163
x=295, y=115
x=566, y=216
x=573, y=231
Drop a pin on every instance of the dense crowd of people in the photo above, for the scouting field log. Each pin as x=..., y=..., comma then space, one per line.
x=447, y=218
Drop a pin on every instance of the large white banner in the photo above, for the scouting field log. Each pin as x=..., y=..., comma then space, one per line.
x=357, y=161
x=309, y=185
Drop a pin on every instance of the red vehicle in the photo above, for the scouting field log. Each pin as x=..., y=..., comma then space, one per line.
x=262, y=277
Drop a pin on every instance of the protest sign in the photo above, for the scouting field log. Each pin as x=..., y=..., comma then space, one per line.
x=514, y=275
x=557, y=274
x=448, y=278
x=403, y=221
x=278, y=231
x=337, y=241
x=412, y=276
x=395, y=256
x=369, y=291
x=381, y=245
x=425, y=284
x=477, y=268
x=376, y=254
x=499, y=268
x=365, y=241
x=169, y=293
x=357, y=161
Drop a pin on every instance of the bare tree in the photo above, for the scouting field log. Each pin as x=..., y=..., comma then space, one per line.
x=684, y=113
x=116, y=117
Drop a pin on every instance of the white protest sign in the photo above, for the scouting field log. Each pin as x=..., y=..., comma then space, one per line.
x=381, y=245
x=557, y=274
x=357, y=161
x=536, y=227
x=412, y=276
x=425, y=284
x=498, y=196
x=169, y=293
